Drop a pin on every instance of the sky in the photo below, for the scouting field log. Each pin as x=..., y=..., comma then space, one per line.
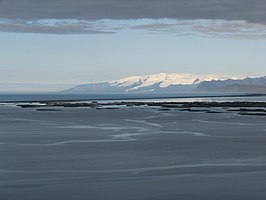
x=65, y=42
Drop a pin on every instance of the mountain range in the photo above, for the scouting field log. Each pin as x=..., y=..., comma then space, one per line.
x=171, y=83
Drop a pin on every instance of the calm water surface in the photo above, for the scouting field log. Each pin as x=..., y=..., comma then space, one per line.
x=131, y=154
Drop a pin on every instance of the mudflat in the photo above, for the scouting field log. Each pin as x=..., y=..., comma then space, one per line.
x=132, y=153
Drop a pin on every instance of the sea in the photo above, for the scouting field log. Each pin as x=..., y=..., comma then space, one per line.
x=131, y=153
x=184, y=97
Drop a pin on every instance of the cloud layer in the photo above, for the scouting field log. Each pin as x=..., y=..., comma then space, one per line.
x=207, y=28
x=249, y=10
x=236, y=18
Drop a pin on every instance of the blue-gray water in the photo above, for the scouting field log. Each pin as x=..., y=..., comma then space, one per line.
x=131, y=154
x=140, y=97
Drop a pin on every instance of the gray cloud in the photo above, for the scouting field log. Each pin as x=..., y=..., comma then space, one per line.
x=237, y=29
x=52, y=26
x=249, y=10
x=245, y=19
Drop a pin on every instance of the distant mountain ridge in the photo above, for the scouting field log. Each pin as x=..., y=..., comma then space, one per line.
x=169, y=83
x=249, y=85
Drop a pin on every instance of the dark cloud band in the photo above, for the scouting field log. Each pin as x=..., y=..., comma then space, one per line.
x=249, y=10
x=239, y=29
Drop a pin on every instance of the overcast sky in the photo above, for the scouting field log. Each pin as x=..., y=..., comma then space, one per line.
x=72, y=42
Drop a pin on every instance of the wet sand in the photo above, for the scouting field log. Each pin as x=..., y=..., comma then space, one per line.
x=131, y=153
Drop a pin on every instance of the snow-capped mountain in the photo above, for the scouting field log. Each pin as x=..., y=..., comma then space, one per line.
x=163, y=80
x=153, y=83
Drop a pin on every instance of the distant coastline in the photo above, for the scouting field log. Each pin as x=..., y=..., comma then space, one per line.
x=256, y=108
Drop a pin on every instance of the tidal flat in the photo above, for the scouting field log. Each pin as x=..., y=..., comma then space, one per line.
x=133, y=152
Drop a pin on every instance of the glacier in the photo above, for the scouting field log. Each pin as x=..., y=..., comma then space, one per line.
x=172, y=83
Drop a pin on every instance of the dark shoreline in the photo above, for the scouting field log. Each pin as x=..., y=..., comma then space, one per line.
x=95, y=104
x=241, y=108
x=257, y=108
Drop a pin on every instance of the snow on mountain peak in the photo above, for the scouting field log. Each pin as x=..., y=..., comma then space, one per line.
x=168, y=83
x=164, y=80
